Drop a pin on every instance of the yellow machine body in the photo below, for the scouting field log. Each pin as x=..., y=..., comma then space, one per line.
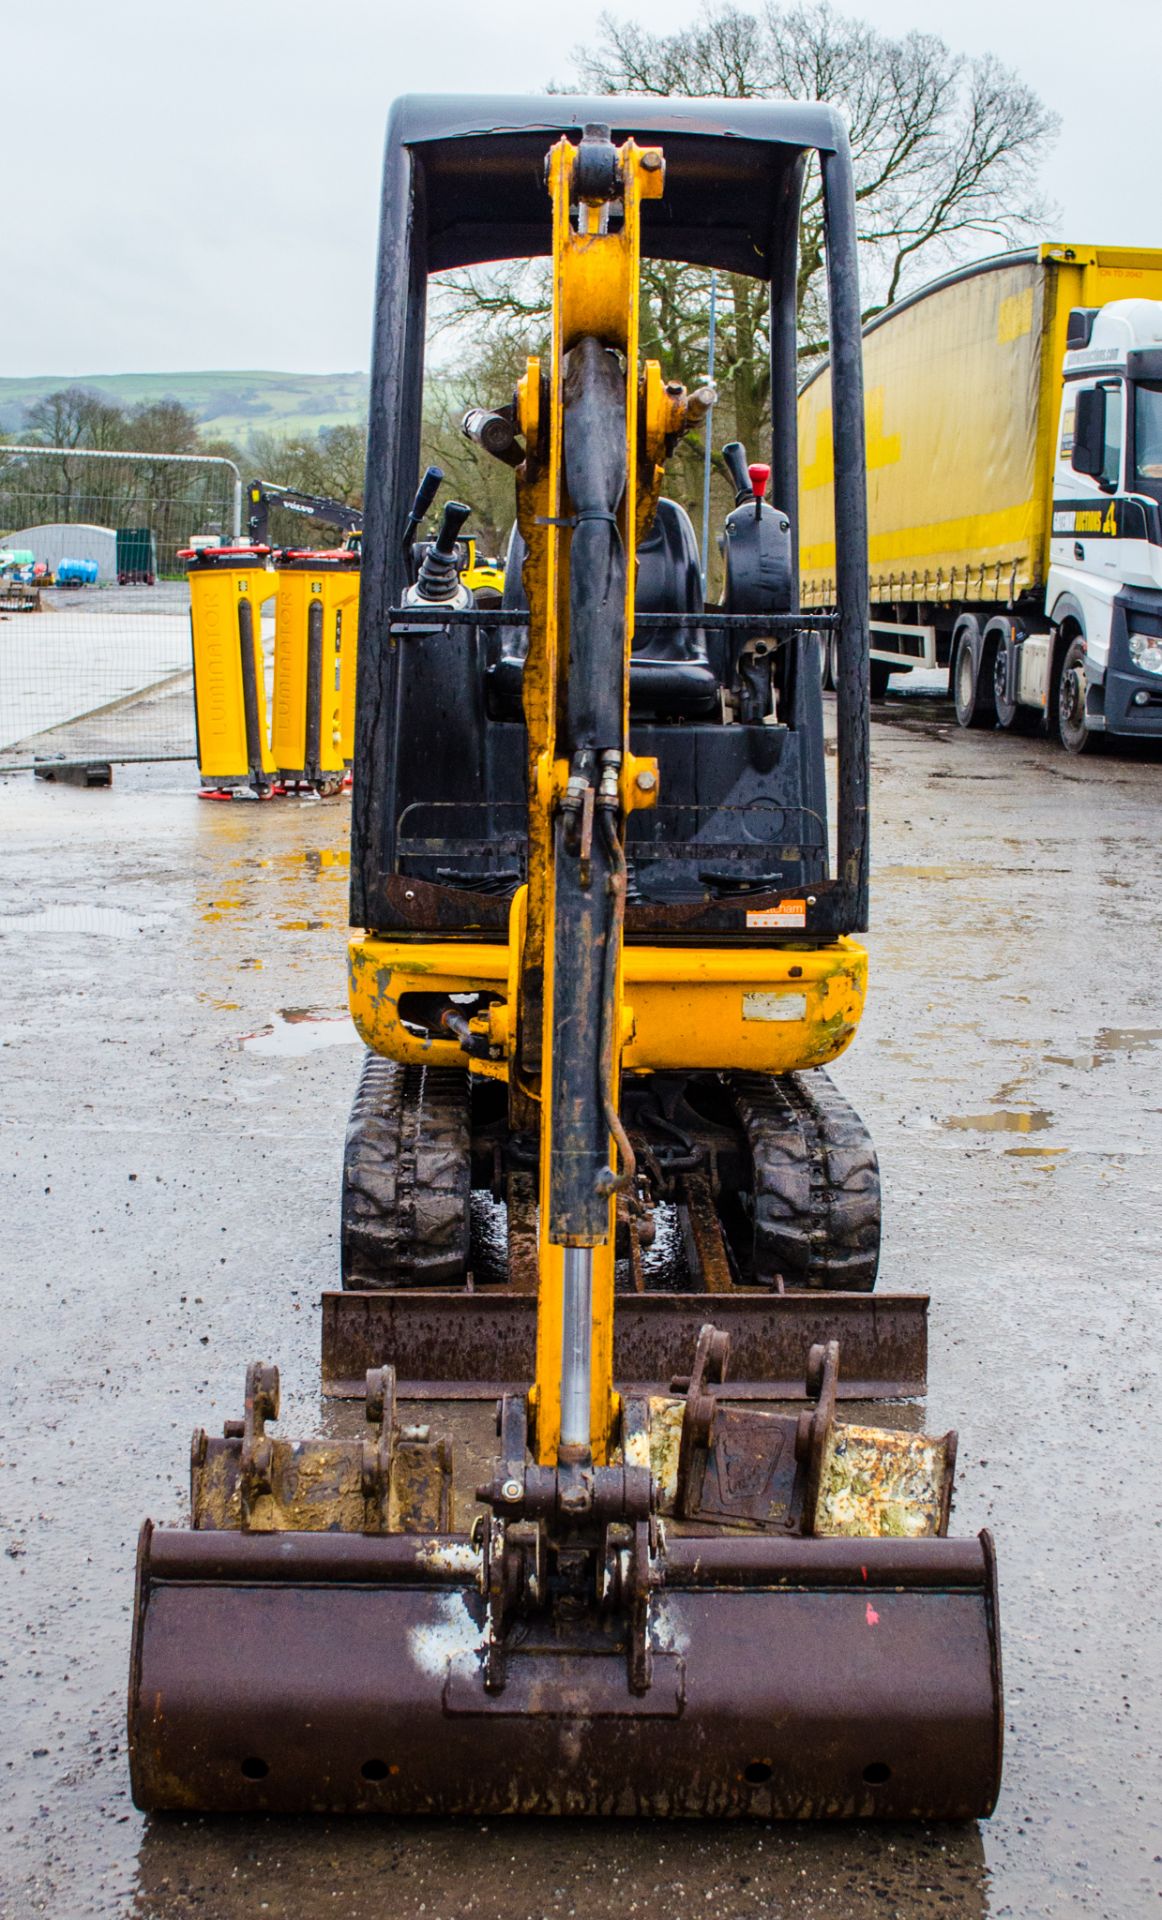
x=347, y=616
x=768, y=1010
x=774, y=1010
x=481, y=575
x=229, y=676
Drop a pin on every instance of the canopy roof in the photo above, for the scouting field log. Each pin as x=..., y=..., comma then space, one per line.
x=731, y=168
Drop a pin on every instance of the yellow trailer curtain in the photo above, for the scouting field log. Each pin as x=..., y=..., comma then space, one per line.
x=956, y=491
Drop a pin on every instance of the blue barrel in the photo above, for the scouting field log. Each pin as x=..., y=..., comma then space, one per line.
x=76, y=573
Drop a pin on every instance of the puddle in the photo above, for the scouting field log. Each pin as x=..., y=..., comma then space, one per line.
x=1107, y=1040
x=1124, y=1039
x=298, y=1030
x=1003, y=1120
x=110, y=922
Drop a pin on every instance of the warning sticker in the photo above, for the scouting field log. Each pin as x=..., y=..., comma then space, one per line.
x=788, y=913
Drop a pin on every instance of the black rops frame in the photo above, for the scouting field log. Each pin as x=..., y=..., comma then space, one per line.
x=463, y=183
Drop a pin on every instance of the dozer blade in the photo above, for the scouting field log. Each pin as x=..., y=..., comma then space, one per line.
x=456, y=1345
x=789, y=1678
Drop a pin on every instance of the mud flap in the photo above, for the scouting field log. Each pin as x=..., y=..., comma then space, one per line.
x=791, y=1678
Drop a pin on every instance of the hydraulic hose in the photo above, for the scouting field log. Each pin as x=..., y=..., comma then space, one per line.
x=617, y=887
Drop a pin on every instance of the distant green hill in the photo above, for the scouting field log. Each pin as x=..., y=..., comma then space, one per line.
x=229, y=405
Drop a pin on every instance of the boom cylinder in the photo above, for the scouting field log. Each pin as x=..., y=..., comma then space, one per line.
x=576, y=1342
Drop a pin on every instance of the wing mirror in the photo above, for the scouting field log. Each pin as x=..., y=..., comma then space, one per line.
x=1089, y=432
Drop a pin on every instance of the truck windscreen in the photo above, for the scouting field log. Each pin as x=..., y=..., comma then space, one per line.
x=1148, y=437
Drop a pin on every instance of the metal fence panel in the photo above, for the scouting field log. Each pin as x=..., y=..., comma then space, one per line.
x=100, y=670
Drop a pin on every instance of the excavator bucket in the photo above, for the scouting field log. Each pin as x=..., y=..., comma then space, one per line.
x=790, y=1679
x=640, y=1516
x=792, y=1665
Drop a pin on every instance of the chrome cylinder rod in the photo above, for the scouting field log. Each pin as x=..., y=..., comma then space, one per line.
x=576, y=1344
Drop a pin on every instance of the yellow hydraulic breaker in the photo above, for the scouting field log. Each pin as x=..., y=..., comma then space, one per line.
x=228, y=587
x=313, y=704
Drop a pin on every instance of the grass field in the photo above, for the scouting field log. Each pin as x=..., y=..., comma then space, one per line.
x=227, y=405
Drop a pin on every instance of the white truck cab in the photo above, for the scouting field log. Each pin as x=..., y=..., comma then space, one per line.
x=1103, y=594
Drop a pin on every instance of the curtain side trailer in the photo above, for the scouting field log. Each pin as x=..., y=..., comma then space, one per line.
x=1014, y=442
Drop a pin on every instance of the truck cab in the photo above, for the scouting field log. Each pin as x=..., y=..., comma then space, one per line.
x=1104, y=586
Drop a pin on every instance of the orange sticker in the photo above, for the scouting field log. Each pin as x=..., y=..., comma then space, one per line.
x=788, y=913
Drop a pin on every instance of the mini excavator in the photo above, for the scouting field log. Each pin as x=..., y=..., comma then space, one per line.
x=621, y=1533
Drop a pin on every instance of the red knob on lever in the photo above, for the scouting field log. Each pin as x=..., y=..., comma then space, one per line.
x=759, y=475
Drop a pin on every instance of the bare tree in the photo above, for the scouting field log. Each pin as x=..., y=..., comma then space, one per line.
x=329, y=463
x=943, y=148
x=172, y=500
x=945, y=153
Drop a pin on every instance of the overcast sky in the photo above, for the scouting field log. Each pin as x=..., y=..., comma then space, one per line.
x=195, y=186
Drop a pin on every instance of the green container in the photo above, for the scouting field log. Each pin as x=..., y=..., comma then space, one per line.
x=136, y=555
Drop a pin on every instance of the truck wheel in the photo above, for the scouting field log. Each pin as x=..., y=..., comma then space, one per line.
x=972, y=690
x=881, y=673
x=1067, y=708
x=998, y=639
x=995, y=644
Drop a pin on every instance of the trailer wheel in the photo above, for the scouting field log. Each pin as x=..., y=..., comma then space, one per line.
x=1067, y=706
x=972, y=689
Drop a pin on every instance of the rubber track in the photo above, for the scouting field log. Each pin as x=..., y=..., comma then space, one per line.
x=406, y=1177
x=816, y=1181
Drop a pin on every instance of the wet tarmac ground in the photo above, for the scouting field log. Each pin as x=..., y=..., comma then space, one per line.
x=171, y=1121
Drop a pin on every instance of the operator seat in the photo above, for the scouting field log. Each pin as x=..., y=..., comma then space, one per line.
x=670, y=674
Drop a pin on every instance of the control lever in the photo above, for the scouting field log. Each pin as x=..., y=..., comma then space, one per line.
x=759, y=475
x=426, y=492
x=439, y=576
x=734, y=455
